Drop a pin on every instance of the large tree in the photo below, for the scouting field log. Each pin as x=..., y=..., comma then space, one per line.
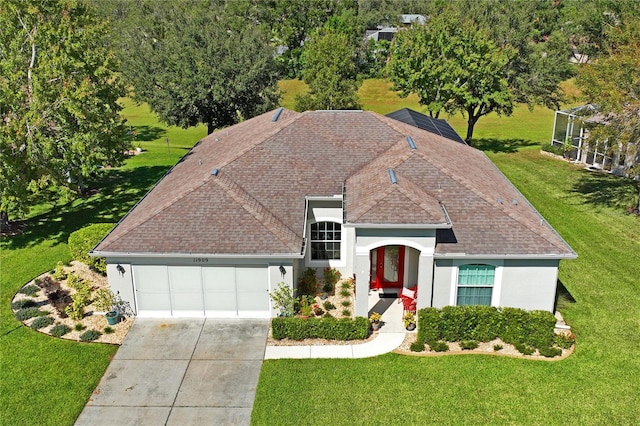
x=452, y=66
x=58, y=91
x=613, y=83
x=330, y=69
x=520, y=31
x=195, y=62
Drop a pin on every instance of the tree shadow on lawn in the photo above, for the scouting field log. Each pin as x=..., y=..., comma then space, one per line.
x=502, y=145
x=117, y=191
x=603, y=189
x=147, y=133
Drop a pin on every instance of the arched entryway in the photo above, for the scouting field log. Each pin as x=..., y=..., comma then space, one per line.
x=387, y=267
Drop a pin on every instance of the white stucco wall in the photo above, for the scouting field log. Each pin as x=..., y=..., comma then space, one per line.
x=527, y=284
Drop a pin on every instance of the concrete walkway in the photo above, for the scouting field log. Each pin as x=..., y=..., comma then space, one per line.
x=181, y=372
x=390, y=336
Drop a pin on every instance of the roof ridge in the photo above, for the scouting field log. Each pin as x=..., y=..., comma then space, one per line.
x=285, y=234
x=265, y=136
x=410, y=188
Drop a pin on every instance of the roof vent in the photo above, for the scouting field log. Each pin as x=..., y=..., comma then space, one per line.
x=500, y=200
x=412, y=144
x=514, y=202
x=199, y=162
x=215, y=172
x=277, y=114
x=392, y=176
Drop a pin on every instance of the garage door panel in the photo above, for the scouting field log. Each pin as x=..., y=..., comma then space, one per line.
x=252, y=284
x=152, y=290
x=186, y=291
x=219, y=291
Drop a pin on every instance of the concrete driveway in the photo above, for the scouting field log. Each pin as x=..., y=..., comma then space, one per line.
x=181, y=372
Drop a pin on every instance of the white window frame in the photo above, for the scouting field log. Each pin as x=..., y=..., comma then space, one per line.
x=497, y=280
x=333, y=263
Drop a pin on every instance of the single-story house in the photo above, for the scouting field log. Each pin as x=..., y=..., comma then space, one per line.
x=394, y=205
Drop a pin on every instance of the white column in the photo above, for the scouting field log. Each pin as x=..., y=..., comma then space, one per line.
x=363, y=267
x=425, y=279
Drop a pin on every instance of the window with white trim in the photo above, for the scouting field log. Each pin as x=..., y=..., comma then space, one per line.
x=475, y=284
x=325, y=240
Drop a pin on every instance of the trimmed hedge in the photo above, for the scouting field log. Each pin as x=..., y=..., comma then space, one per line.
x=485, y=323
x=319, y=328
x=82, y=241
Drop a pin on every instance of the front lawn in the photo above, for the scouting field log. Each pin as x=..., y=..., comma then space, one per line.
x=596, y=385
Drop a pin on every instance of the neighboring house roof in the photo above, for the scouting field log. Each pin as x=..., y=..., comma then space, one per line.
x=410, y=18
x=434, y=125
x=254, y=201
x=387, y=34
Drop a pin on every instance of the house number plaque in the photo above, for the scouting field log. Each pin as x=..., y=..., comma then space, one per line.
x=200, y=260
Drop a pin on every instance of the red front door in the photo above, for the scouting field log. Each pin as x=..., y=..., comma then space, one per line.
x=387, y=267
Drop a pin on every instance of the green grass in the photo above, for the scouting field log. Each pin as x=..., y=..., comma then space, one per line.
x=494, y=133
x=597, y=384
x=47, y=381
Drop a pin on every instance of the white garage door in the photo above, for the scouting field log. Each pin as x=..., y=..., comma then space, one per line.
x=194, y=291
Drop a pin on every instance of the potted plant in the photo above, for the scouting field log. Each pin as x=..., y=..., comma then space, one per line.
x=284, y=300
x=105, y=301
x=409, y=320
x=374, y=320
x=112, y=317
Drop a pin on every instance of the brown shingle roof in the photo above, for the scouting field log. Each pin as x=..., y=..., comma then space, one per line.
x=255, y=204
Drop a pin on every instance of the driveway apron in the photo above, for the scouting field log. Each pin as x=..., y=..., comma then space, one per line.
x=181, y=372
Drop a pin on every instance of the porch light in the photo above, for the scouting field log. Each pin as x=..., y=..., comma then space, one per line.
x=282, y=271
x=120, y=269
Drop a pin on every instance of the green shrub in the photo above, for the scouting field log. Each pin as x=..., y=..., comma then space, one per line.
x=103, y=299
x=346, y=312
x=26, y=313
x=79, y=326
x=23, y=303
x=319, y=328
x=108, y=330
x=346, y=303
x=429, y=325
x=82, y=241
x=59, y=330
x=328, y=305
x=29, y=290
x=550, y=352
x=41, y=322
x=59, y=273
x=469, y=344
x=439, y=346
x=345, y=292
x=328, y=315
x=90, y=335
x=554, y=149
x=282, y=296
x=417, y=346
x=524, y=349
x=346, y=285
x=564, y=341
x=330, y=277
x=497, y=348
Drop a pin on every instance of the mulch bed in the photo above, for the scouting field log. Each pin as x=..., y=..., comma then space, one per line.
x=92, y=320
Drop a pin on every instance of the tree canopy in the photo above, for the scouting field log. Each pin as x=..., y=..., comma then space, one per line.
x=330, y=68
x=58, y=91
x=195, y=62
x=613, y=83
x=479, y=57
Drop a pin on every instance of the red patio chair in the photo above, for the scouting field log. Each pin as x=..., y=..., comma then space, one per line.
x=408, y=298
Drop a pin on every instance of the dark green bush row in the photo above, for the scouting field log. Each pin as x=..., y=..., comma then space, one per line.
x=59, y=330
x=41, y=322
x=23, y=303
x=29, y=290
x=90, y=335
x=320, y=328
x=82, y=241
x=485, y=323
x=26, y=313
x=554, y=149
